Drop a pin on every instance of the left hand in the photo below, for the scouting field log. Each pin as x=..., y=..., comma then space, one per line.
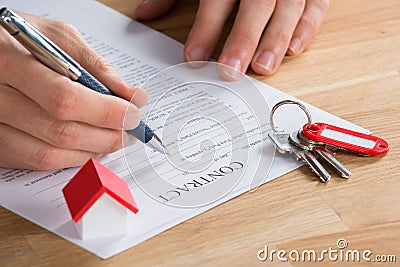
x=264, y=31
x=47, y=121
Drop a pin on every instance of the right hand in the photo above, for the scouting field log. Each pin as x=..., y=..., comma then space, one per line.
x=262, y=34
x=48, y=121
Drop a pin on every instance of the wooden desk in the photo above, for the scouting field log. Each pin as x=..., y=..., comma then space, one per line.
x=351, y=70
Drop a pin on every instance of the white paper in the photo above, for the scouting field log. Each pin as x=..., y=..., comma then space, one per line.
x=138, y=53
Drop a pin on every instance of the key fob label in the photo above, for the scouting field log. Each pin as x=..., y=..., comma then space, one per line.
x=346, y=139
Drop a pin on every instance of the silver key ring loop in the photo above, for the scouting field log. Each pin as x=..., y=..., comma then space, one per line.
x=287, y=102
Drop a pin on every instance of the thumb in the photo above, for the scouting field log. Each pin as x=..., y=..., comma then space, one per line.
x=151, y=9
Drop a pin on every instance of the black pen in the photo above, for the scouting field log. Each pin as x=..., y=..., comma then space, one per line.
x=56, y=59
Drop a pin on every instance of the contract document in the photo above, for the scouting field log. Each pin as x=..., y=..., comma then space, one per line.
x=214, y=131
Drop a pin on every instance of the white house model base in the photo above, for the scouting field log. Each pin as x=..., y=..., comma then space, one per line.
x=104, y=219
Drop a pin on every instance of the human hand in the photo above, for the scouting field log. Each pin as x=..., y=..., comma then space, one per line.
x=263, y=33
x=48, y=121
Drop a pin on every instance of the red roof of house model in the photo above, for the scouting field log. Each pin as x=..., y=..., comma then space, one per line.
x=90, y=183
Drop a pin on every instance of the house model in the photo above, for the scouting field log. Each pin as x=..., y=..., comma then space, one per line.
x=98, y=201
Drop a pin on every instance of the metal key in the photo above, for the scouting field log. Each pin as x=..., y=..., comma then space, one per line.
x=283, y=144
x=323, y=152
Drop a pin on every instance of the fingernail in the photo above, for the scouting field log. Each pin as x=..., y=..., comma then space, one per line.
x=140, y=97
x=128, y=139
x=234, y=69
x=138, y=10
x=131, y=120
x=295, y=46
x=196, y=54
x=266, y=61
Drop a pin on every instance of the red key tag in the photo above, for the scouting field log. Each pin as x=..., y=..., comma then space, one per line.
x=346, y=139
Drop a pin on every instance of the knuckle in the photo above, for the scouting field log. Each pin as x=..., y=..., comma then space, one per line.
x=106, y=116
x=246, y=38
x=310, y=24
x=64, y=34
x=101, y=64
x=116, y=142
x=63, y=103
x=66, y=28
x=45, y=158
x=282, y=39
x=64, y=134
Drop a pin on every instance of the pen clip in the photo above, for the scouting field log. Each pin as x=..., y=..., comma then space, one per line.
x=39, y=45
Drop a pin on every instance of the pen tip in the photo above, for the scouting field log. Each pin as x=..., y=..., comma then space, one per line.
x=164, y=150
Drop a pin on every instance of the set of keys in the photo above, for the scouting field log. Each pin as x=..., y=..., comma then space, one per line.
x=319, y=141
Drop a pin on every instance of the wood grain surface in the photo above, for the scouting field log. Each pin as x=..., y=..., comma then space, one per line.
x=351, y=70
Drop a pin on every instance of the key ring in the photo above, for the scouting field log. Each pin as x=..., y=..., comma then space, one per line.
x=287, y=102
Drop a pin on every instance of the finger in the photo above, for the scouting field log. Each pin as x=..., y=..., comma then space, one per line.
x=308, y=26
x=151, y=9
x=70, y=40
x=25, y=115
x=63, y=98
x=277, y=36
x=242, y=42
x=207, y=29
x=94, y=63
x=22, y=151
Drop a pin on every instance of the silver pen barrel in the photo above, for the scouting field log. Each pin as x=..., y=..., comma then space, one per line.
x=41, y=47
